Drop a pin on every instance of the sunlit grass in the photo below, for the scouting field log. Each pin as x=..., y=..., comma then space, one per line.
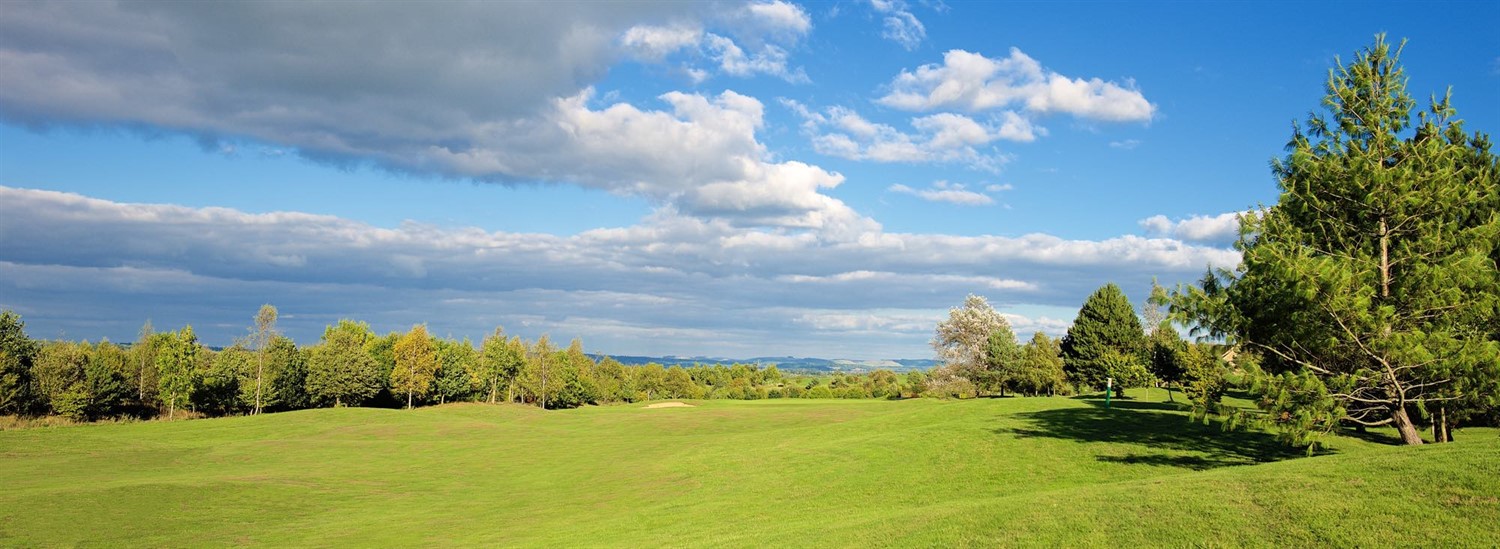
x=1019, y=471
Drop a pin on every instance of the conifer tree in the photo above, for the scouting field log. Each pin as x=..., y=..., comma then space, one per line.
x=1370, y=289
x=1105, y=341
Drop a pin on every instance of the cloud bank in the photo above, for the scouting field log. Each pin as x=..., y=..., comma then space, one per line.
x=681, y=282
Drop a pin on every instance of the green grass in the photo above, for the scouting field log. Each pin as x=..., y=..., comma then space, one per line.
x=1020, y=471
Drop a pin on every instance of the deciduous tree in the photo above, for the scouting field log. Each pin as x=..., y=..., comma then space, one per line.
x=176, y=366
x=961, y=341
x=416, y=364
x=340, y=370
x=17, y=358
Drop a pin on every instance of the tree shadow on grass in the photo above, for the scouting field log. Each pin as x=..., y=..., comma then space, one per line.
x=1161, y=432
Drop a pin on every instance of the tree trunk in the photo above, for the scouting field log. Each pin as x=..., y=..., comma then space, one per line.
x=492, y=393
x=1440, y=426
x=408, y=400
x=171, y=409
x=259, y=371
x=1409, y=433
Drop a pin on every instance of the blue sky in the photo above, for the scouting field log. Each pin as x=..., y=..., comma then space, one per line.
x=732, y=179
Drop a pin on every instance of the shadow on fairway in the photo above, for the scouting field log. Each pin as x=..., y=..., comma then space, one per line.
x=1163, y=438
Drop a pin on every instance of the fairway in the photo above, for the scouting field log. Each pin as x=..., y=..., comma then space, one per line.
x=1019, y=471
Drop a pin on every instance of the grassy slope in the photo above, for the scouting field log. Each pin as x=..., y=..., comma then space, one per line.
x=1007, y=471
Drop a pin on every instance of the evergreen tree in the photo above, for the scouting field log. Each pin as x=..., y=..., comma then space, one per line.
x=1370, y=288
x=1105, y=341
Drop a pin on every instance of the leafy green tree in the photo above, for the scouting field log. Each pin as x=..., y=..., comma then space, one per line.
x=1041, y=368
x=679, y=384
x=286, y=376
x=650, y=380
x=1203, y=378
x=458, y=372
x=614, y=384
x=265, y=332
x=58, y=373
x=1370, y=289
x=416, y=364
x=340, y=370
x=17, y=358
x=143, y=373
x=1002, y=361
x=176, y=367
x=1105, y=341
x=225, y=383
x=541, y=371
x=500, y=363
x=1165, y=347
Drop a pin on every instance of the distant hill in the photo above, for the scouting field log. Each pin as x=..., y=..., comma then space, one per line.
x=784, y=363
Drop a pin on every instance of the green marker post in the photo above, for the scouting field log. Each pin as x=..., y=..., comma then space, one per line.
x=1109, y=387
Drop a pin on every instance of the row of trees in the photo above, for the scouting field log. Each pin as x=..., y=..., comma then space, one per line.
x=1106, y=343
x=167, y=373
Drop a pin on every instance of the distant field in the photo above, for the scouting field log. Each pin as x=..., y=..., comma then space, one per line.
x=1023, y=471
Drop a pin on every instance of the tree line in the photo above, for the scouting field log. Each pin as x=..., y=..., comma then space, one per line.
x=172, y=374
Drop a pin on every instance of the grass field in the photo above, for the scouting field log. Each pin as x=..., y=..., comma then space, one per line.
x=1021, y=471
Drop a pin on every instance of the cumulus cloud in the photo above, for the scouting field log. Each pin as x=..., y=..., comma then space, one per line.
x=937, y=138
x=1220, y=229
x=91, y=267
x=952, y=193
x=753, y=40
x=972, y=82
x=899, y=25
x=655, y=43
x=491, y=92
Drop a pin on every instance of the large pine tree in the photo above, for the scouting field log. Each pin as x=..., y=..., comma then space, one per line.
x=1105, y=341
x=1371, y=286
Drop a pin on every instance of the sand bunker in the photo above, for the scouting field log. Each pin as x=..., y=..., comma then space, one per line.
x=669, y=405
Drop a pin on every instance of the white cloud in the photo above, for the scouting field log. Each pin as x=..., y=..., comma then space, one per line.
x=780, y=17
x=900, y=26
x=1221, y=228
x=752, y=40
x=734, y=61
x=653, y=43
x=938, y=138
x=943, y=191
x=973, y=82
x=671, y=274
